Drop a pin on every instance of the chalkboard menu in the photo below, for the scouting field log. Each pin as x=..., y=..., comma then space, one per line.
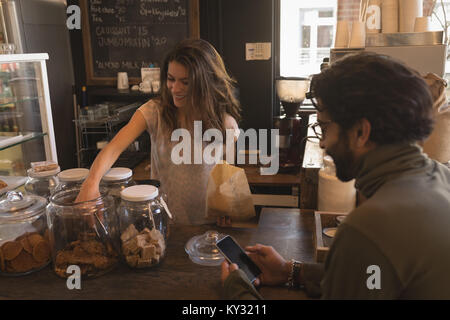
x=126, y=35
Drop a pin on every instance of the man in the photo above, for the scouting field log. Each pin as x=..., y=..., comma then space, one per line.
x=372, y=110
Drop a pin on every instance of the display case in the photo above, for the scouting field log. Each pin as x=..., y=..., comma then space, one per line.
x=26, y=124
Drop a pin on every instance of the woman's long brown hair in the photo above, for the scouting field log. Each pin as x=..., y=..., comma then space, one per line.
x=210, y=89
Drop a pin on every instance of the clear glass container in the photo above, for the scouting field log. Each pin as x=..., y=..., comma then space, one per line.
x=202, y=249
x=117, y=179
x=144, y=222
x=24, y=236
x=42, y=183
x=71, y=178
x=83, y=234
x=164, y=196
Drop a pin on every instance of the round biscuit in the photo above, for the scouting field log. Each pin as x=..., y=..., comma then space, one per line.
x=23, y=262
x=11, y=249
x=34, y=239
x=41, y=251
x=26, y=245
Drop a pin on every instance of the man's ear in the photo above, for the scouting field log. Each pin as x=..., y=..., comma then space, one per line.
x=360, y=133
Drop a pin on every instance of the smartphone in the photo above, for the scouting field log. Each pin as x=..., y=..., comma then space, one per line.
x=234, y=254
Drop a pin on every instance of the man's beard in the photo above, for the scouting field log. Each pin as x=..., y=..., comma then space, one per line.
x=343, y=158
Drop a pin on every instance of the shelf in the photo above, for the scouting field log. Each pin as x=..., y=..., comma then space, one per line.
x=14, y=101
x=114, y=92
x=99, y=123
x=13, y=182
x=117, y=115
x=10, y=115
x=11, y=139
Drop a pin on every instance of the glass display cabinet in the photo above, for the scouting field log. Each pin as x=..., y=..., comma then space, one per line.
x=26, y=124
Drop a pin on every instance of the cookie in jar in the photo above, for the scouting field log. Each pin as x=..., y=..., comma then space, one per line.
x=84, y=234
x=24, y=235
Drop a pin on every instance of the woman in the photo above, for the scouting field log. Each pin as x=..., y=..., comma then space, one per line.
x=195, y=87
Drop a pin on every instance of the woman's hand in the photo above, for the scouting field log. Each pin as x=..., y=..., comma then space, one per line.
x=227, y=268
x=275, y=270
x=88, y=193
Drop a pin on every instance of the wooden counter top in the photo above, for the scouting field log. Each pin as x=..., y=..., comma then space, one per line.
x=177, y=277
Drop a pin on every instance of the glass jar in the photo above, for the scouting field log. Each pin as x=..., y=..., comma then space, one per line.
x=24, y=236
x=71, y=178
x=163, y=195
x=42, y=183
x=83, y=233
x=143, y=222
x=117, y=179
x=202, y=249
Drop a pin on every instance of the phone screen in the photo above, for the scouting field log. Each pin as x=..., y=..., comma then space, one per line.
x=234, y=253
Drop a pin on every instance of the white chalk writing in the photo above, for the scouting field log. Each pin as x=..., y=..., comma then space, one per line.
x=162, y=14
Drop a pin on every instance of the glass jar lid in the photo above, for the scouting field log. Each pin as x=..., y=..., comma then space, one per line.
x=118, y=173
x=16, y=206
x=142, y=192
x=75, y=174
x=202, y=249
x=43, y=174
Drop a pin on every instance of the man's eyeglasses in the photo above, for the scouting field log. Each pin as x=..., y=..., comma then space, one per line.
x=320, y=128
x=310, y=95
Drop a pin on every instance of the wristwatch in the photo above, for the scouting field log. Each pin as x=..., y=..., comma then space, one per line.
x=293, y=279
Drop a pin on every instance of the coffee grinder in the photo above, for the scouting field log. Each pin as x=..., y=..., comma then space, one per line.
x=291, y=93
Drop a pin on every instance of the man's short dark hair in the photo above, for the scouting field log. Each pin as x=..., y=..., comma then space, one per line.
x=392, y=97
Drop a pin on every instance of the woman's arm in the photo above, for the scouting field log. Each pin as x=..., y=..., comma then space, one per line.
x=106, y=158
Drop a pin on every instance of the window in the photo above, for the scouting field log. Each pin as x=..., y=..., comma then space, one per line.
x=306, y=35
x=325, y=13
x=324, y=36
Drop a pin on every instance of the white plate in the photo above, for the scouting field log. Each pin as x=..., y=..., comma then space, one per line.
x=329, y=232
x=13, y=183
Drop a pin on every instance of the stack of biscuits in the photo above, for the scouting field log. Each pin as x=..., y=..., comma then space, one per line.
x=43, y=166
x=29, y=252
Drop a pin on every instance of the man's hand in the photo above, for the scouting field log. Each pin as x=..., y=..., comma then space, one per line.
x=275, y=270
x=227, y=269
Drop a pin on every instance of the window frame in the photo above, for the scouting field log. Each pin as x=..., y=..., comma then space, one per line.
x=277, y=51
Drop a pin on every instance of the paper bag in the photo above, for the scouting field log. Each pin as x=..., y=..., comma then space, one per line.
x=228, y=194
